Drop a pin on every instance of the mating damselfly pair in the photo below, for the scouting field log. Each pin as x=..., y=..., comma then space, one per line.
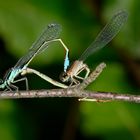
x=70, y=74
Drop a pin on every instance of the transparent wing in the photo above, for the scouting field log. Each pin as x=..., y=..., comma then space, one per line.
x=51, y=32
x=107, y=34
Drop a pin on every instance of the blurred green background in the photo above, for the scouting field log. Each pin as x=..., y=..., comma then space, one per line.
x=21, y=21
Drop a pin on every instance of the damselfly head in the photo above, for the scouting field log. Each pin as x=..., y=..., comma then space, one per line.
x=64, y=77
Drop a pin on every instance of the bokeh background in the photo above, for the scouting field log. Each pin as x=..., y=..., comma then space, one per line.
x=21, y=21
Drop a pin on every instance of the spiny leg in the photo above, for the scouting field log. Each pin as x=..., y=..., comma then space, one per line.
x=82, y=69
x=14, y=87
x=9, y=87
x=74, y=82
x=87, y=73
x=23, y=79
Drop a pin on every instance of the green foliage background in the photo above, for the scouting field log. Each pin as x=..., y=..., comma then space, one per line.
x=21, y=21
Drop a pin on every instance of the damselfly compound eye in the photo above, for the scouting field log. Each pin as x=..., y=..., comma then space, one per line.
x=64, y=77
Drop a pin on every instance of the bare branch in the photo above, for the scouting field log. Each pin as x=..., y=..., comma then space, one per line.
x=72, y=92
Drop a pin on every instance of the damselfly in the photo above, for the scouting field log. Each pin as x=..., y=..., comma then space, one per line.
x=49, y=35
x=104, y=37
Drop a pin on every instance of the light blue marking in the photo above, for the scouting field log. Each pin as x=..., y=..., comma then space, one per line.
x=66, y=62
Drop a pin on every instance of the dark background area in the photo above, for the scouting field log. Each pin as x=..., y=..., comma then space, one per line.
x=21, y=22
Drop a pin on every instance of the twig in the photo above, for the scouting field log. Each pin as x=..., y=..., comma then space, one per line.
x=71, y=92
x=77, y=92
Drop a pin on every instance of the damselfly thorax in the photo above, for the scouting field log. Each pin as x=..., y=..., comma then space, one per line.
x=72, y=74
